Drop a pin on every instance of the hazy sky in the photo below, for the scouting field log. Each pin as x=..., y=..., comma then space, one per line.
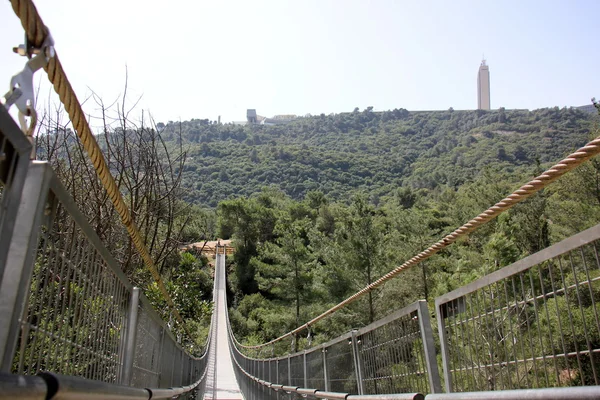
x=201, y=59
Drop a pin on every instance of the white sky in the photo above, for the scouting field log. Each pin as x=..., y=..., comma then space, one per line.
x=201, y=59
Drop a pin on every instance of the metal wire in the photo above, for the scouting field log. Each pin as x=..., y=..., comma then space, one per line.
x=315, y=368
x=75, y=315
x=393, y=358
x=147, y=353
x=533, y=324
x=80, y=316
x=297, y=371
x=393, y=355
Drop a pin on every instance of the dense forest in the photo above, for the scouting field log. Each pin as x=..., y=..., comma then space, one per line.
x=366, y=151
x=346, y=198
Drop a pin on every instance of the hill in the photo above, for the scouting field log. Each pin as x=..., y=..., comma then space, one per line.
x=370, y=151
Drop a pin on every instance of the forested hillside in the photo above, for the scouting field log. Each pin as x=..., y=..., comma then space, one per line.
x=369, y=151
x=323, y=206
x=297, y=255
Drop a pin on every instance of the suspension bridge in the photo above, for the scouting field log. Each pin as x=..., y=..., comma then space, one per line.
x=74, y=326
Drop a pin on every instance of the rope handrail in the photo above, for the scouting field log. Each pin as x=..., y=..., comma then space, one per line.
x=575, y=159
x=36, y=33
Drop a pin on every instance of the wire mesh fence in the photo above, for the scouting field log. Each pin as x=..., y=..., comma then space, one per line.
x=340, y=365
x=532, y=324
x=398, y=354
x=392, y=355
x=297, y=371
x=71, y=306
x=76, y=308
x=315, y=368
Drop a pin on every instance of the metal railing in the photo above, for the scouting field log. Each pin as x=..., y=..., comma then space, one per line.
x=15, y=150
x=65, y=305
x=393, y=355
x=532, y=324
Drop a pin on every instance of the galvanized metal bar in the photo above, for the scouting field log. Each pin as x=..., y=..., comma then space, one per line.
x=357, y=363
x=435, y=384
x=22, y=387
x=568, y=393
x=130, y=341
x=323, y=394
x=14, y=286
x=401, y=396
x=289, y=370
x=62, y=387
x=440, y=310
x=15, y=151
x=325, y=372
x=305, y=370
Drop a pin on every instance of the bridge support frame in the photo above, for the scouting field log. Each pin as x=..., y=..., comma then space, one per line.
x=325, y=372
x=357, y=363
x=16, y=278
x=130, y=338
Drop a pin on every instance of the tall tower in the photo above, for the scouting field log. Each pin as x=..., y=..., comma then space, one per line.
x=483, y=87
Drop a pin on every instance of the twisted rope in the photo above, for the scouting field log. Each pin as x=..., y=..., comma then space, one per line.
x=36, y=33
x=556, y=171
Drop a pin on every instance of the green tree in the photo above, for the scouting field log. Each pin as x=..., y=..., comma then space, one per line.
x=284, y=267
x=361, y=241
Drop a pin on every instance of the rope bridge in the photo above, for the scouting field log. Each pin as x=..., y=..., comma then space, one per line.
x=73, y=326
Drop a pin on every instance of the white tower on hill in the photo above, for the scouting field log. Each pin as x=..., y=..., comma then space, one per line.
x=483, y=87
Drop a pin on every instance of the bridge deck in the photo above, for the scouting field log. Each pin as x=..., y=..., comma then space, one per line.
x=221, y=382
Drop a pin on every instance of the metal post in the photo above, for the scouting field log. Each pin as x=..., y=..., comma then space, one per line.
x=444, y=345
x=15, y=150
x=357, y=363
x=289, y=370
x=180, y=383
x=277, y=375
x=129, y=354
x=16, y=278
x=305, y=371
x=161, y=356
x=325, y=372
x=171, y=381
x=429, y=347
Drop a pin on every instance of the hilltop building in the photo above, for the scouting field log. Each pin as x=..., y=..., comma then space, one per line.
x=588, y=108
x=251, y=116
x=483, y=87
